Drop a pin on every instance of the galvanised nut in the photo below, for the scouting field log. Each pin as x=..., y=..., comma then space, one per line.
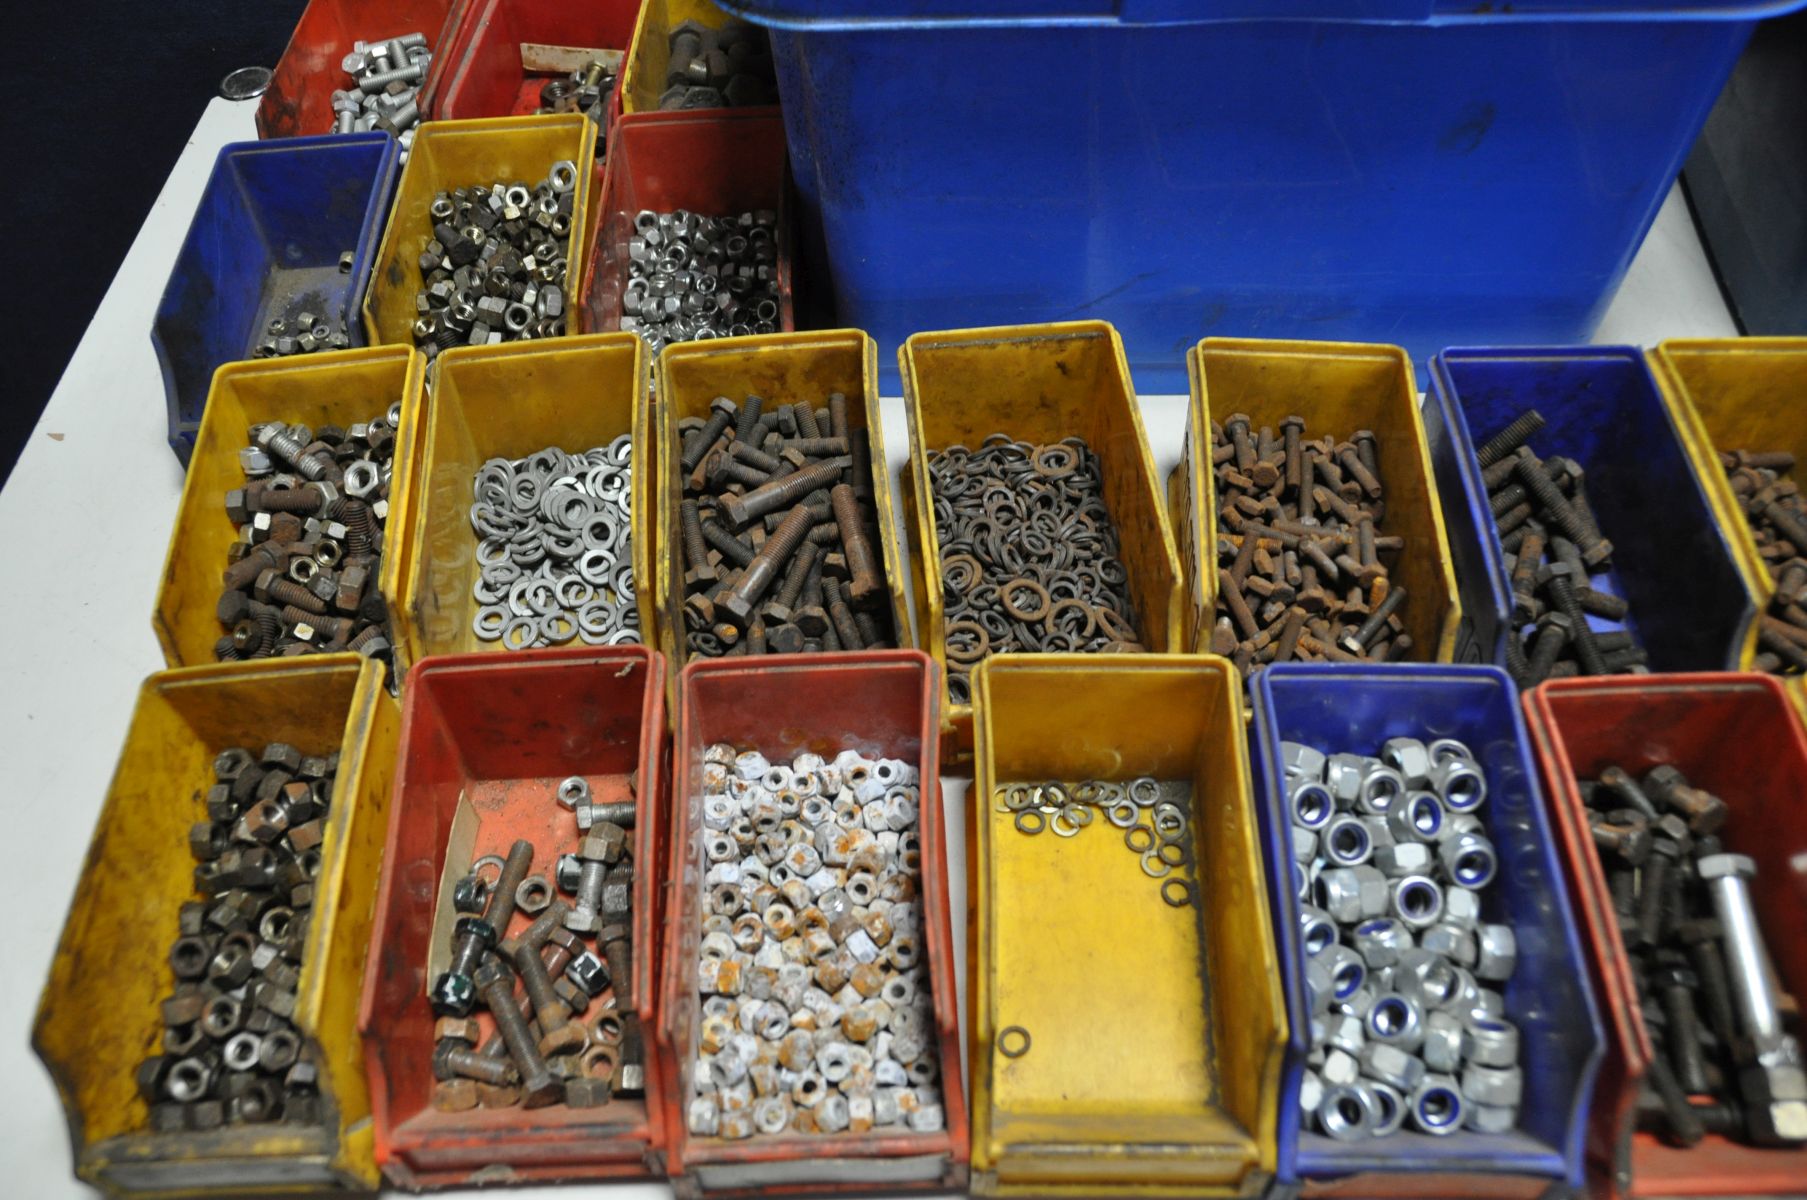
x=1345, y=1114
x=1397, y=1020
x=1339, y=888
x=1498, y=953
x=1402, y=859
x=1459, y=783
x=1462, y=908
x=1346, y=841
x=1451, y=941
x=1380, y=787
x=1340, y=1069
x=1499, y=1086
x=1343, y=773
x=1345, y=1032
x=1380, y=941
x=1346, y=971
x=1443, y=1042
x=1416, y=901
x=1469, y=860
x=1311, y=803
x=1437, y=1106
x=1490, y=1118
x=1386, y=1105
x=1302, y=762
x=1317, y=930
x=1417, y=817
x=1410, y=758
x=1491, y=1042
x=1392, y=1066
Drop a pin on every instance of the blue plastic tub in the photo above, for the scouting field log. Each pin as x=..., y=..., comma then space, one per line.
x=1421, y=174
x=1355, y=709
x=265, y=243
x=1671, y=560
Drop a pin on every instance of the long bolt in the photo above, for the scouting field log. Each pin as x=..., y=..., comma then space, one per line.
x=722, y=412
x=498, y=994
x=1237, y=427
x=1594, y=548
x=1701, y=937
x=748, y=418
x=1377, y=620
x=1546, y=647
x=1510, y=438
x=861, y=562
x=548, y=1009
x=1684, y=1032
x=1650, y=891
x=1685, y=1128
x=1562, y=590
x=764, y=570
x=841, y=616
x=514, y=871
x=1359, y=472
x=779, y=493
x=1291, y=428
x=696, y=550
x=451, y=1059
x=1727, y=877
x=731, y=548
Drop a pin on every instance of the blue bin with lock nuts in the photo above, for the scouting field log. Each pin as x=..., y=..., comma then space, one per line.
x=283, y=228
x=1425, y=173
x=1355, y=710
x=1687, y=603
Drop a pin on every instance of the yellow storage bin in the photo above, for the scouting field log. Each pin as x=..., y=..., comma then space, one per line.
x=315, y=389
x=1338, y=387
x=1736, y=394
x=783, y=368
x=1146, y=1050
x=510, y=401
x=99, y=1015
x=1035, y=383
x=454, y=154
x=649, y=55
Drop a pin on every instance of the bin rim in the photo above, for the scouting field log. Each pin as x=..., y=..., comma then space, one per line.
x=830, y=16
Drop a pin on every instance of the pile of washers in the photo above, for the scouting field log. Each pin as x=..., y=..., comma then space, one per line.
x=1402, y=968
x=1154, y=817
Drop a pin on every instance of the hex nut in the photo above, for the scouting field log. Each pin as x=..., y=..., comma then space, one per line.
x=1346, y=841
x=1345, y=1114
x=1416, y=817
x=1397, y=1020
x=1460, y=784
x=1490, y=1042
x=1437, y=1106
x=1301, y=761
x=1317, y=931
x=1492, y=1118
x=1410, y=758
x=1343, y=774
x=1346, y=971
x=1392, y=1066
x=1416, y=901
x=1469, y=860
x=1497, y=953
x=1499, y=1086
x=1451, y=941
x=1462, y=907
x=1405, y=858
x=1381, y=940
x=1340, y=891
x=1340, y=1069
x=1346, y=1033
x=1381, y=787
x=1311, y=1091
x=1386, y=1105
x=1310, y=802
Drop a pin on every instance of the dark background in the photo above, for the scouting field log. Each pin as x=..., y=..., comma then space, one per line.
x=99, y=98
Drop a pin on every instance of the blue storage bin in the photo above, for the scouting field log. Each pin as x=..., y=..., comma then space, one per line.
x=265, y=243
x=1355, y=709
x=1671, y=560
x=1394, y=171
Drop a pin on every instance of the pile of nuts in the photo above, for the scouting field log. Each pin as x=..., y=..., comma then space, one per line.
x=311, y=332
x=555, y=551
x=231, y=1053
x=1404, y=1027
x=730, y=67
x=1686, y=920
x=495, y=270
x=587, y=91
x=1778, y=520
x=1552, y=544
x=303, y=572
x=386, y=82
x=1303, y=570
x=817, y=1011
x=546, y=1049
x=1155, y=817
x=691, y=277
x=781, y=549
x=1030, y=559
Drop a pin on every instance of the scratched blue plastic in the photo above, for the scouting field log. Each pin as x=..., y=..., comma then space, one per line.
x=1371, y=171
x=1355, y=709
x=1670, y=560
x=265, y=242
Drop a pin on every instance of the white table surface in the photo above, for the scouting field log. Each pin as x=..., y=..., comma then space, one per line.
x=84, y=521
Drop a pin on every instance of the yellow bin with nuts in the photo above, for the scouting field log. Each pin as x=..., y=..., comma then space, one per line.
x=448, y=155
x=510, y=401
x=1125, y=1030
x=1338, y=388
x=100, y=1015
x=649, y=56
x=340, y=388
x=1037, y=384
x=782, y=368
x=1727, y=394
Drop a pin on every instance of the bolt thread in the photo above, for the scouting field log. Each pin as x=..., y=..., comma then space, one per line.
x=226, y=650
x=732, y=548
x=805, y=414
x=1510, y=438
x=784, y=491
x=854, y=542
x=288, y=592
x=837, y=415
x=243, y=573
x=748, y=418
x=1370, y=629
x=753, y=456
x=269, y=625
x=703, y=438
x=289, y=500
x=499, y=997
x=792, y=587
x=1585, y=649
x=514, y=870
x=696, y=550
x=1546, y=648
x=475, y=1066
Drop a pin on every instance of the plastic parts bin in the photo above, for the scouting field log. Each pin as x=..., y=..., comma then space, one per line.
x=713, y=162
x=265, y=244
x=649, y=58
x=1355, y=709
x=1425, y=173
x=882, y=703
x=299, y=99
x=315, y=389
x=1737, y=394
x=499, y=731
x=1338, y=388
x=1036, y=383
x=1737, y=737
x=484, y=75
x=454, y=154
x=99, y=1015
x=510, y=401
x=1156, y=1031
x=1671, y=560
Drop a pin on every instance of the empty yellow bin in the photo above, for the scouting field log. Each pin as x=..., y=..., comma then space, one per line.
x=452, y=154
x=510, y=401
x=99, y=1015
x=1117, y=1044
x=340, y=388
x=1034, y=383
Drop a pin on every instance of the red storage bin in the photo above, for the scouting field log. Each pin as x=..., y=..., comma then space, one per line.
x=1738, y=737
x=883, y=703
x=299, y=99
x=484, y=76
x=501, y=730
x=715, y=162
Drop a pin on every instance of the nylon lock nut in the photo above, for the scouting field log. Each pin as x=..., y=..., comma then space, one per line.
x=1410, y=758
x=1392, y=1066
x=1353, y=893
x=1443, y=1042
x=1497, y=953
x=1381, y=786
x=1490, y=1042
x=1398, y=1020
x=1498, y=1086
x=1302, y=762
x=1380, y=941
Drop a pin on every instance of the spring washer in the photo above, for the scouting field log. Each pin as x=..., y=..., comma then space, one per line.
x=1169, y=825
x=1076, y=814
x=1170, y=887
x=1031, y=822
x=1146, y=840
x=1013, y=1041
x=1145, y=790
x=1123, y=814
x=1061, y=826
x=521, y=632
x=490, y=622
x=1179, y=856
x=1149, y=864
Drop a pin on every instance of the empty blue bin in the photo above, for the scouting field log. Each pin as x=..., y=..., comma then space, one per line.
x=1671, y=561
x=1355, y=709
x=266, y=243
x=1420, y=173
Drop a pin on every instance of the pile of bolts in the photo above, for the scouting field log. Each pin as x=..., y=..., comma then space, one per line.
x=587, y=90
x=546, y=1048
x=386, y=82
x=1778, y=520
x=730, y=67
x=1303, y=572
x=1688, y=926
x=780, y=539
x=231, y=1054
x=1403, y=971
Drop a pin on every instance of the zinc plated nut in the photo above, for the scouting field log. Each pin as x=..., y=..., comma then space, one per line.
x=1437, y=1106
x=1392, y=1066
x=1443, y=1042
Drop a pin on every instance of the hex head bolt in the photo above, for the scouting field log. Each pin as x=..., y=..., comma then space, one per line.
x=1359, y=472
x=1788, y=523
x=1238, y=605
x=591, y=876
x=1704, y=812
x=783, y=605
x=619, y=955
x=1558, y=579
x=453, y=1061
x=841, y=617
x=1684, y=1127
x=539, y=1086
x=722, y=412
x=1237, y=430
x=1509, y=439
x=731, y=548
x=1595, y=549
x=696, y=550
x=1552, y=637
x=1663, y=855
x=548, y=1009
x=1618, y=781
x=1701, y=938
x=778, y=493
x=1369, y=629
x=1683, y=1035
x=738, y=605
x=292, y=450
x=862, y=564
